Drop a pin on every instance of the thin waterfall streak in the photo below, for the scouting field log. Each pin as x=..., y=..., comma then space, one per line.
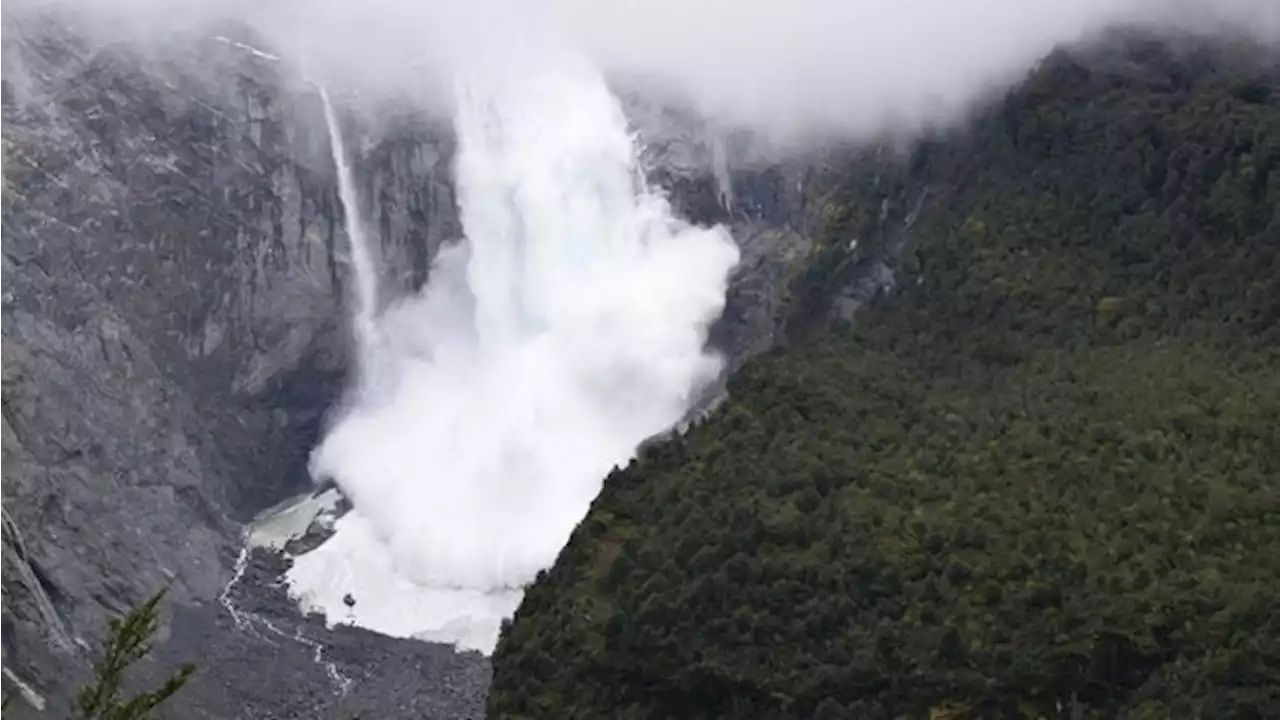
x=363, y=268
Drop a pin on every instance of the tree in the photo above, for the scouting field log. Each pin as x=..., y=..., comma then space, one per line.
x=128, y=642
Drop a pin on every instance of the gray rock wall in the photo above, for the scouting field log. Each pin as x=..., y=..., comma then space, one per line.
x=173, y=267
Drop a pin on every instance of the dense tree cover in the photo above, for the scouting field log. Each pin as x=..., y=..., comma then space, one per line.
x=1042, y=481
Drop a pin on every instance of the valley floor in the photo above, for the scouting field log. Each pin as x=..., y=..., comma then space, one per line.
x=262, y=670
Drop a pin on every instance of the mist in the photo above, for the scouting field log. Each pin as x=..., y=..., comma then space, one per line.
x=805, y=69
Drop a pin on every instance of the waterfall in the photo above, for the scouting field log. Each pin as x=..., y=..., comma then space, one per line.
x=569, y=326
x=364, y=272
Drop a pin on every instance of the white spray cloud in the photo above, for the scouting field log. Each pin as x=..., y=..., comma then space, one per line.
x=570, y=326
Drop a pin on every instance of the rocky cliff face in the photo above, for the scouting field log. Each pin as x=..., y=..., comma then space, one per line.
x=173, y=272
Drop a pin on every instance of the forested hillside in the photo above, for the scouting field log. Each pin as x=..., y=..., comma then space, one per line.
x=1041, y=479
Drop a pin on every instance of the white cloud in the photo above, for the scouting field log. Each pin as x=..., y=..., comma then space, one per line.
x=857, y=67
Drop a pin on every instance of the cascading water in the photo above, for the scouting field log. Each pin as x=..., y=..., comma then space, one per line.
x=566, y=329
x=364, y=271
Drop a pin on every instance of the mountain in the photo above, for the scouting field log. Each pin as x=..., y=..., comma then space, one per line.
x=1080, y=289
x=1016, y=460
x=174, y=265
x=175, y=331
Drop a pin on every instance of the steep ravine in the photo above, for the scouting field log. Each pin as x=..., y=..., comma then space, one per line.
x=174, y=268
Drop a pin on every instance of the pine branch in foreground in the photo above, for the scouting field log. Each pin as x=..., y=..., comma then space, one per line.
x=128, y=642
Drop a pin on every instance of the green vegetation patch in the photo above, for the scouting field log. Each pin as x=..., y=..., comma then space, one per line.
x=1042, y=481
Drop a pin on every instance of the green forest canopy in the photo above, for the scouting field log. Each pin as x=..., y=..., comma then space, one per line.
x=1046, y=473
